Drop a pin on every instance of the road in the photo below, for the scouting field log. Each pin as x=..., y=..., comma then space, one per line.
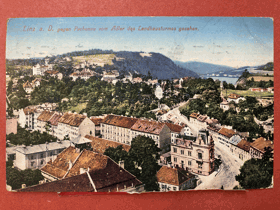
x=229, y=168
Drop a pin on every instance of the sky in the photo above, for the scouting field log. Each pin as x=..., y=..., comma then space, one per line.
x=230, y=41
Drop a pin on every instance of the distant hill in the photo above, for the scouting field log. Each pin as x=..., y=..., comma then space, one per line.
x=267, y=67
x=158, y=65
x=203, y=68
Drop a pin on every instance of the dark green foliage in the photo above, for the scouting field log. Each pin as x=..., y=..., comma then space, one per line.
x=141, y=160
x=25, y=137
x=16, y=178
x=256, y=173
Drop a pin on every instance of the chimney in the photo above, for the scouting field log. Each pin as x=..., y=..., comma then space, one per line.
x=83, y=170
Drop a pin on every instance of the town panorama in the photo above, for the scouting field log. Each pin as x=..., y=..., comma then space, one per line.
x=98, y=120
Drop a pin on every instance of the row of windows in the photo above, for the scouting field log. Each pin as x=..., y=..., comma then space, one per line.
x=182, y=151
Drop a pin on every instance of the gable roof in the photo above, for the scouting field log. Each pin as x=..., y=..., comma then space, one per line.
x=96, y=121
x=227, y=132
x=243, y=144
x=194, y=115
x=100, y=145
x=261, y=143
x=120, y=121
x=27, y=85
x=54, y=119
x=174, y=128
x=72, y=119
x=45, y=116
x=147, y=126
x=173, y=176
x=111, y=178
x=52, y=72
x=233, y=96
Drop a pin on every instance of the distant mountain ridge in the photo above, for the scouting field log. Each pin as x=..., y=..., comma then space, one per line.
x=202, y=67
x=158, y=65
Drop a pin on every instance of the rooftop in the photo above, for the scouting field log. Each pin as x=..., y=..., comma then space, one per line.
x=72, y=119
x=174, y=128
x=120, y=121
x=194, y=115
x=45, y=116
x=29, y=110
x=43, y=147
x=261, y=143
x=147, y=126
x=173, y=176
x=96, y=121
x=243, y=144
x=233, y=96
x=100, y=145
x=227, y=132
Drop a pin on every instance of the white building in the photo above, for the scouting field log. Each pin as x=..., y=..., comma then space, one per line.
x=73, y=124
x=36, y=156
x=28, y=117
x=40, y=69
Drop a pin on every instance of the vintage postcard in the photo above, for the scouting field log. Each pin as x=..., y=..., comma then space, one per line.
x=139, y=104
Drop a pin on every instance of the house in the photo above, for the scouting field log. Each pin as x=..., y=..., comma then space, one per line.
x=36, y=82
x=258, y=89
x=159, y=92
x=228, y=136
x=235, y=98
x=117, y=128
x=54, y=73
x=199, y=121
x=258, y=147
x=175, y=130
x=28, y=87
x=11, y=126
x=137, y=80
x=53, y=121
x=28, y=117
x=97, y=122
x=194, y=153
x=242, y=150
x=73, y=124
x=270, y=89
x=41, y=69
x=158, y=131
x=99, y=145
x=43, y=120
x=85, y=171
x=175, y=179
x=85, y=74
x=36, y=156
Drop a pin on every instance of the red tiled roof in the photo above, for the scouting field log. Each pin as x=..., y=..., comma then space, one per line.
x=243, y=144
x=45, y=116
x=194, y=115
x=29, y=110
x=100, y=145
x=173, y=176
x=72, y=119
x=120, y=121
x=233, y=96
x=54, y=120
x=202, y=118
x=147, y=126
x=111, y=178
x=96, y=121
x=27, y=85
x=52, y=72
x=261, y=143
x=174, y=128
x=60, y=165
x=227, y=132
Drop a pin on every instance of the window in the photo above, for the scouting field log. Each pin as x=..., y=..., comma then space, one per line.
x=175, y=159
x=175, y=150
x=174, y=188
x=182, y=152
x=32, y=157
x=41, y=155
x=199, y=165
x=189, y=153
x=42, y=162
x=199, y=155
x=189, y=163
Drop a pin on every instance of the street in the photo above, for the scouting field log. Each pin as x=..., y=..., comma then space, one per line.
x=229, y=168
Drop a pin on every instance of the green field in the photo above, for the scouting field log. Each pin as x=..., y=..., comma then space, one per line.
x=78, y=108
x=263, y=78
x=99, y=58
x=248, y=93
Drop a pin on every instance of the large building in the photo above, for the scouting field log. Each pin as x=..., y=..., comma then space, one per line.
x=85, y=171
x=74, y=125
x=41, y=69
x=36, y=156
x=194, y=153
x=259, y=146
x=28, y=117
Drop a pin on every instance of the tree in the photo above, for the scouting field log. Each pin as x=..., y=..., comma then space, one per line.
x=256, y=173
x=144, y=153
x=117, y=154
